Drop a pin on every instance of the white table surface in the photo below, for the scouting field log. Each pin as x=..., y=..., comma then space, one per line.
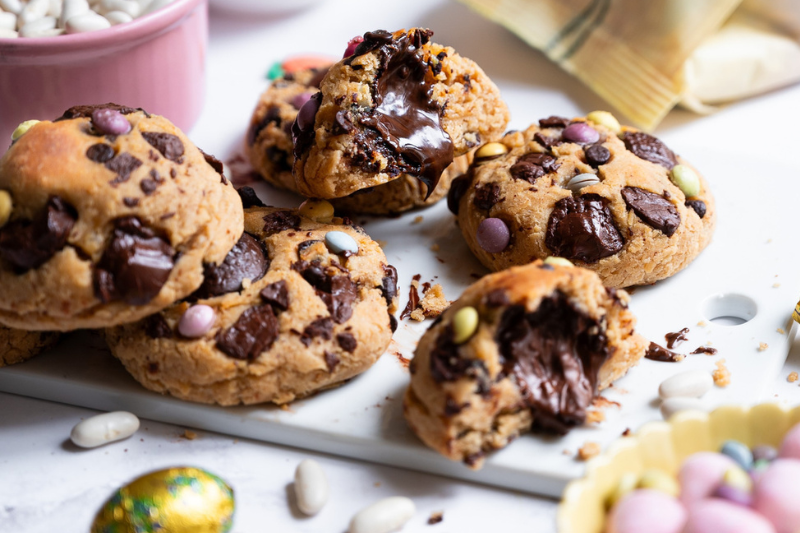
x=48, y=485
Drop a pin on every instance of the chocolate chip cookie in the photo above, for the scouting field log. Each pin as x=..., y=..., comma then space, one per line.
x=17, y=345
x=113, y=213
x=523, y=349
x=399, y=105
x=616, y=201
x=269, y=147
x=297, y=306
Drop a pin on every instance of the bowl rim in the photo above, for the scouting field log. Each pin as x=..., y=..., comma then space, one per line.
x=133, y=31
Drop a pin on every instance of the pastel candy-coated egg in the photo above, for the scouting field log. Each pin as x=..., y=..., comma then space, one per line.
x=701, y=474
x=22, y=129
x=777, y=495
x=102, y=429
x=177, y=500
x=648, y=511
x=493, y=235
x=196, y=321
x=790, y=447
x=734, y=495
x=339, y=242
x=604, y=118
x=580, y=132
x=310, y=487
x=738, y=452
x=738, y=478
x=559, y=261
x=720, y=516
x=352, y=44
x=110, y=122
x=465, y=323
x=688, y=384
x=490, y=151
x=659, y=480
x=319, y=210
x=300, y=100
x=765, y=452
x=385, y=516
x=686, y=179
x=627, y=483
x=581, y=181
x=6, y=206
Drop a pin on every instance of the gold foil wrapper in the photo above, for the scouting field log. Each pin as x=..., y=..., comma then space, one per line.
x=175, y=500
x=796, y=314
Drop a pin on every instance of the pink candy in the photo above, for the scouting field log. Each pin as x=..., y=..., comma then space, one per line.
x=719, y=516
x=300, y=100
x=701, y=474
x=580, y=132
x=110, y=122
x=352, y=45
x=196, y=321
x=647, y=511
x=777, y=495
x=493, y=235
x=790, y=447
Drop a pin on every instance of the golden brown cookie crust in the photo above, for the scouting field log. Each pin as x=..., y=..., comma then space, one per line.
x=17, y=345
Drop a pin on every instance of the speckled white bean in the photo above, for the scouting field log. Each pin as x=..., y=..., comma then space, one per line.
x=37, y=27
x=8, y=34
x=670, y=406
x=12, y=6
x=8, y=21
x=105, y=428
x=118, y=17
x=689, y=384
x=33, y=11
x=310, y=487
x=89, y=21
x=384, y=516
x=126, y=6
x=70, y=9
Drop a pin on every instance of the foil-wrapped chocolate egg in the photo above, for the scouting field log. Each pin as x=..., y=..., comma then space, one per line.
x=175, y=500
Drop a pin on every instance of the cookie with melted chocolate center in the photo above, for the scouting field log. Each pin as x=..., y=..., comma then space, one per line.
x=623, y=217
x=290, y=318
x=548, y=339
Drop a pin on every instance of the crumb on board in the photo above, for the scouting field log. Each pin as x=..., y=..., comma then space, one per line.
x=702, y=323
x=793, y=376
x=762, y=346
x=588, y=450
x=627, y=432
x=566, y=452
x=431, y=305
x=417, y=219
x=435, y=247
x=781, y=331
x=377, y=484
x=595, y=417
x=601, y=402
x=188, y=434
x=435, y=518
x=722, y=376
x=776, y=285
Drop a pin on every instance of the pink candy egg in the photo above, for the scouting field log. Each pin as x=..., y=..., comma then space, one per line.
x=790, y=447
x=719, y=516
x=777, y=495
x=196, y=321
x=647, y=511
x=701, y=474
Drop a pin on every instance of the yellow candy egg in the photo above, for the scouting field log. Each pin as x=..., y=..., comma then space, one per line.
x=319, y=210
x=490, y=151
x=659, y=480
x=604, y=118
x=796, y=314
x=22, y=129
x=560, y=261
x=175, y=500
x=465, y=323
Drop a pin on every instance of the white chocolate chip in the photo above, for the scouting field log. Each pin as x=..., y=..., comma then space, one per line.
x=118, y=17
x=689, y=384
x=384, y=516
x=105, y=428
x=89, y=21
x=35, y=28
x=310, y=487
x=8, y=21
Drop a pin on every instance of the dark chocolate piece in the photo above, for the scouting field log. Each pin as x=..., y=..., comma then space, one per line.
x=597, y=154
x=135, y=264
x=708, y=350
x=130, y=202
x=650, y=149
x=555, y=354
x=280, y=221
x=487, y=195
x=216, y=164
x=654, y=210
x=389, y=283
x=316, y=81
x=659, y=353
x=100, y=152
x=545, y=141
x=168, y=144
x=332, y=360
x=148, y=186
x=338, y=292
x=446, y=363
x=392, y=322
x=253, y=333
x=413, y=300
x=123, y=164
x=674, y=339
x=27, y=244
x=276, y=294
x=249, y=197
x=273, y=115
x=496, y=298
x=554, y=122
x=247, y=259
x=458, y=187
x=303, y=126
x=85, y=111
x=156, y=327
x=347, y=342
x=321, y=327
x=534, y=165
x=583, y=228
x=699, y=207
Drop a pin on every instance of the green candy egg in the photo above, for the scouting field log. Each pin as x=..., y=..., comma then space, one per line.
x=686, y=179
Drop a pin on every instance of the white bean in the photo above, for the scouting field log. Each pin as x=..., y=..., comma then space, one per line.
x=70, y=9
x=8, y=34
x=33, y=29
x=670, y=406
x=310, y=487
x=384, y=516
x=105, y=428
x=8, y=21
x=55, y=8
x=33, y=11
x=12, y=6
x=54, y=32
x=155, y=5
x=118, y=17
x=126, y=6
x=89, y=21
x=689, y=384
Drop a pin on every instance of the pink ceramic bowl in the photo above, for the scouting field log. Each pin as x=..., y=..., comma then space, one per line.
x=156, y=62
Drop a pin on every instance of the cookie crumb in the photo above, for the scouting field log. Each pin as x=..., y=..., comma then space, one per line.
x=601, y=402
x=793, y=376
x=435, y=247
x=566, y=452
x=776, y=285
x=435, y=518
x=431, y=305
x=722, y=376
x=588, y=450
x=377, y=484
x=595, y=417
x=702, y=323
x=781, y=331
x=762, y=346
x=417, y=220
x=627, y=432
x=188, y=434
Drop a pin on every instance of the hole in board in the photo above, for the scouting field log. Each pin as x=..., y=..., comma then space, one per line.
x=729, y=309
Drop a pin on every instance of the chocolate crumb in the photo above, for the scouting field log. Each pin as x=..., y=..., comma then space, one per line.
x=168, y=144
x=659, y=353
x=673, y=339
x=435, y=518
x=347, y=342
x=332, y=360
x=276, y=294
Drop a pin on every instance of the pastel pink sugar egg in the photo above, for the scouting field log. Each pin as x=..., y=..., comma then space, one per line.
x=649, y=511
x=777, y=495
x=701, y=474
x=719, y=516
x=790, y=447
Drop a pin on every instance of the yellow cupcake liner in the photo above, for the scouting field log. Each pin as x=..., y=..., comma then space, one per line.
x=664, y=445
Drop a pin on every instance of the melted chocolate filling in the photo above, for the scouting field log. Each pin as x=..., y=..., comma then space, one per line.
x=583, y=228
x=27, y=244
x=247, y=259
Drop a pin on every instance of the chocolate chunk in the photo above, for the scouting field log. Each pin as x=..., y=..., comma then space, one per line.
x=302, y=130
x=343, y=123
x=699, y=207
x=597, y=154
x=486, y=196
x=392, y=322
x=277, y=295
x=389, y=283
x=314, y=274
x=156, y=327
x=545, y=141
x=320, y=74
x=650, y=149
x=496, y=298
x=583, y=228
x=406, y=117
x=673, y=339
x=135, y=264
x=413, y=301
x=321, y=327
x=248, y=259
x=148, y=186
x=446, y=364
x=273, y=115
x=168, y=144
x=347, y=342
x=554, y=122
x=705, y=349
x=281, y=159
x=123, y=164
x=216, y=164
x=458, y=187
x=130, y=202
x=305, y=245
x=27, y=244
x=534, y=165
x=452, y=408
x=555, y=354
x=654, y=210
x=100, y=152
x=249, y=197
x=84, y=111
x=332, y=360
x=280, y=221
x=659, y=353
x=340, y=298
x=253, y=333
